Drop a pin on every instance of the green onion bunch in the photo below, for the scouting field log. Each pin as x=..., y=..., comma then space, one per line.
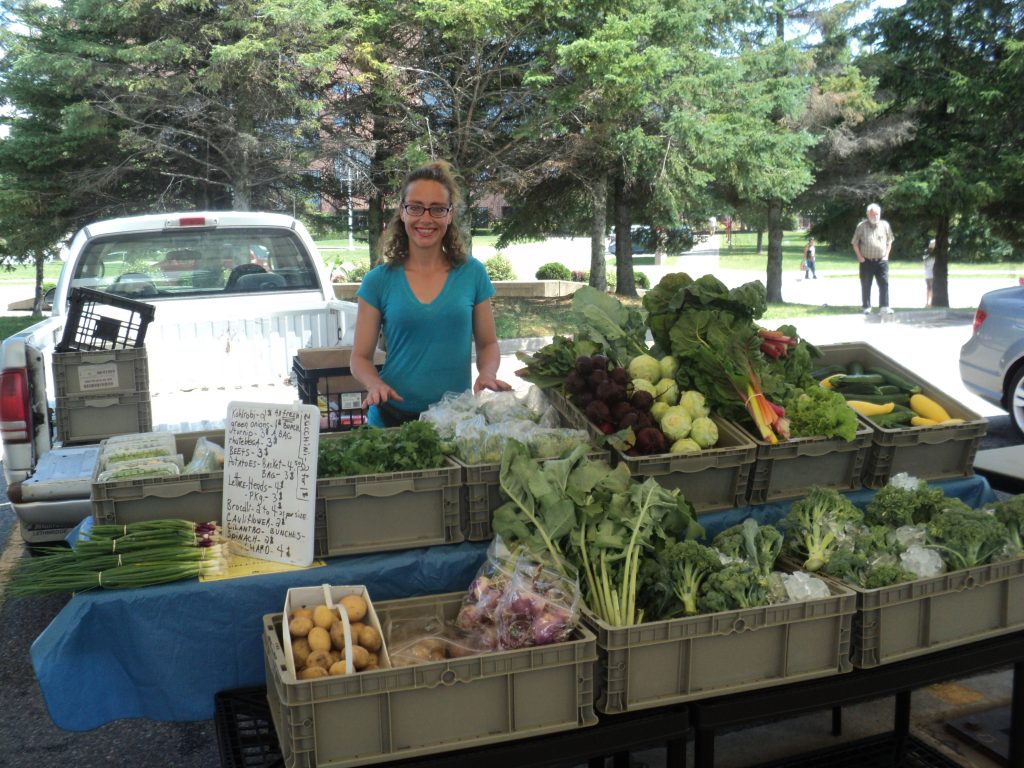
x=122, y=557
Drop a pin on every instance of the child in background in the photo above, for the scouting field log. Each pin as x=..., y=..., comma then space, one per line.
x=929, y=271
x=809, y=260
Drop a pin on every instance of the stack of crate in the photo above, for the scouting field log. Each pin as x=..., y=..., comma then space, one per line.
x=100, y=370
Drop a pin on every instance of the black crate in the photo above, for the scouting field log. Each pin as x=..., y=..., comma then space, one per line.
x=245, y=732
x=99, y=321
x=872, y=752
x=340, y=402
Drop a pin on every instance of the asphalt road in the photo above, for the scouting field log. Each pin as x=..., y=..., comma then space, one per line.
x=927, y=345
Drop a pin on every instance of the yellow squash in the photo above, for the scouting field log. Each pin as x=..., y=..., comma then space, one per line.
x=870, y=409
x=925, y=406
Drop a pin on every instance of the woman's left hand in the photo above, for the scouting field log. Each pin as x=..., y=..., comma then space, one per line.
x=489, y=381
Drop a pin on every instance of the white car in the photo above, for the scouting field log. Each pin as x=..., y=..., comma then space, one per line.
x=992, y=361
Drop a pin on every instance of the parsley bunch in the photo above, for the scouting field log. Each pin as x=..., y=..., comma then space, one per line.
x=370, y=451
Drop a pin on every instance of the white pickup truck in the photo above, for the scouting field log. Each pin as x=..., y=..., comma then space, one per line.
x=235, y=296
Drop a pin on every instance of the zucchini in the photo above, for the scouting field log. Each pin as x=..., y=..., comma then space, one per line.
x=853, y=388
x=827, y=370
x=893, y=378
x=889, y=389
x=855, y=368
x=863, y=378
x=893, y=420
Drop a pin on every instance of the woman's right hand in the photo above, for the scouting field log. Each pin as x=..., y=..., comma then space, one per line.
x=380, y=393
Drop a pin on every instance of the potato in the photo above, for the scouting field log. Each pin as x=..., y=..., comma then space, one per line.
x=355, y=606
x=300, y=626
x=319, y=639
x=337, y=633
x=323, y=616
x=300, y=651
x=374, y=660
x=338, y=668
x=360, y=657
x=370, y=638
x=319, y=659
x=311, y=672
x=305, y=613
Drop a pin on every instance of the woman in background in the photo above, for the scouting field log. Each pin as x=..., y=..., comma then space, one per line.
x=809, y=260
x=430, y=301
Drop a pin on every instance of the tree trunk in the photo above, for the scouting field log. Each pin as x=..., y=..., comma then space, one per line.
x=760, y=239
x=940, y=282
x=598, y=227
x=376, y=223
x=624, y=285
x=37, y=303
x=774, y=284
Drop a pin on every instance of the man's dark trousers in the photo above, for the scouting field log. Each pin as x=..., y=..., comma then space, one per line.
x=877, y=270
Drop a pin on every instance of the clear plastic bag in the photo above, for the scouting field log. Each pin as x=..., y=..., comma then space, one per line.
x=207, y=457
x=539, y=606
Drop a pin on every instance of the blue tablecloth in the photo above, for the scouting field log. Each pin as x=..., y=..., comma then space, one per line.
x=163, y=652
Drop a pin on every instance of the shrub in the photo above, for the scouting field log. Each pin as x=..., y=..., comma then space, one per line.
x=641, y=280
x=499, y=268
x=553, y=271
x=580, y=276
x=357, y=273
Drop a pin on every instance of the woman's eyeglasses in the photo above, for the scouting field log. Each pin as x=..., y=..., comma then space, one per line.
x=436, y=211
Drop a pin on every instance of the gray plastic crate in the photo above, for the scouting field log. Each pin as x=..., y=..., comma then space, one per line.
x=390, y=511
x=196, y=497
x=88, y=374
x=678, y=660
x=714, y=479
x=91, y=419
x=789, y=468
x=929, y=453
x=391, y=714
x=918, y=617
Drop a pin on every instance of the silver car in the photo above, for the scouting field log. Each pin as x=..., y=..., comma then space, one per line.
x=992, y=361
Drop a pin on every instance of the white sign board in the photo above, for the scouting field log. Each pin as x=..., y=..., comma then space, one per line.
x=270, y=454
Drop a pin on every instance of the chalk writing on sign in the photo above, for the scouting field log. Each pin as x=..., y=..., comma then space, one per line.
x=270, y=453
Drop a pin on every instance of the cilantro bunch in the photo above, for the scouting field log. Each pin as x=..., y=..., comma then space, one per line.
x=370, y=451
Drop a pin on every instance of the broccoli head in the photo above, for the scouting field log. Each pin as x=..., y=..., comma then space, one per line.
x=966, y=537
x=733, y=586
x=897, y=505
x=1011, y=514
x=677, y=571
x=817, y=523
x=758, y=545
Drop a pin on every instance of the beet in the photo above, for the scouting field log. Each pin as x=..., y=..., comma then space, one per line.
x=597, y=412
x=619, y=375
x=584, y=365
x=628, y=419
x=620, y=409
x=644, y=419
x=600, y=362
x=574, y=384
x=582, y=400
x=641, y=400
x=596, y=378
x=610, y=392
x=650, y=440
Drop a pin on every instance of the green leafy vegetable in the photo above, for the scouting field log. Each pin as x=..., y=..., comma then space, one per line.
x=817, y=411
x=549, y=365
x=370, y=451
x=619, y=329
x=966, y=537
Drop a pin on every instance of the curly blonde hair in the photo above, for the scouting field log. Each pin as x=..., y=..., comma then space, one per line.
x=394, y=244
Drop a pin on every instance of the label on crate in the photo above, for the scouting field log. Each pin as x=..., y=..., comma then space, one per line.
x=270, y=457
x=99, y=376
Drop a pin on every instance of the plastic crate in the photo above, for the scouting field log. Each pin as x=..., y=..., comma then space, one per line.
x=90, y=419
x=678, y=660
x=389, y=511
x=87, y=374
x=789, y=468
x=929, y=453
x=98, y=320
x=245, y=732
x=918, y=617
x=196, y=497
x=712, y=480
x=324, y=378
x=391, y=714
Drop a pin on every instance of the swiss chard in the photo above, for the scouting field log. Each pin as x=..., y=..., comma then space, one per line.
x=619, y=329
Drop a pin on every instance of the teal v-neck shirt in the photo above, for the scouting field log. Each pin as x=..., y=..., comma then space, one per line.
x=429, y=346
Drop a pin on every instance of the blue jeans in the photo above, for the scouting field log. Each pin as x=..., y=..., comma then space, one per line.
x=877, y=270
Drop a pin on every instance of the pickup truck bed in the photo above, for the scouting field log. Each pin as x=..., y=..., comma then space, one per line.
x=235, y=296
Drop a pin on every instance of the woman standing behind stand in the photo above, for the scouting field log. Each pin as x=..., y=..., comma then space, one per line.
x=431, y=302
